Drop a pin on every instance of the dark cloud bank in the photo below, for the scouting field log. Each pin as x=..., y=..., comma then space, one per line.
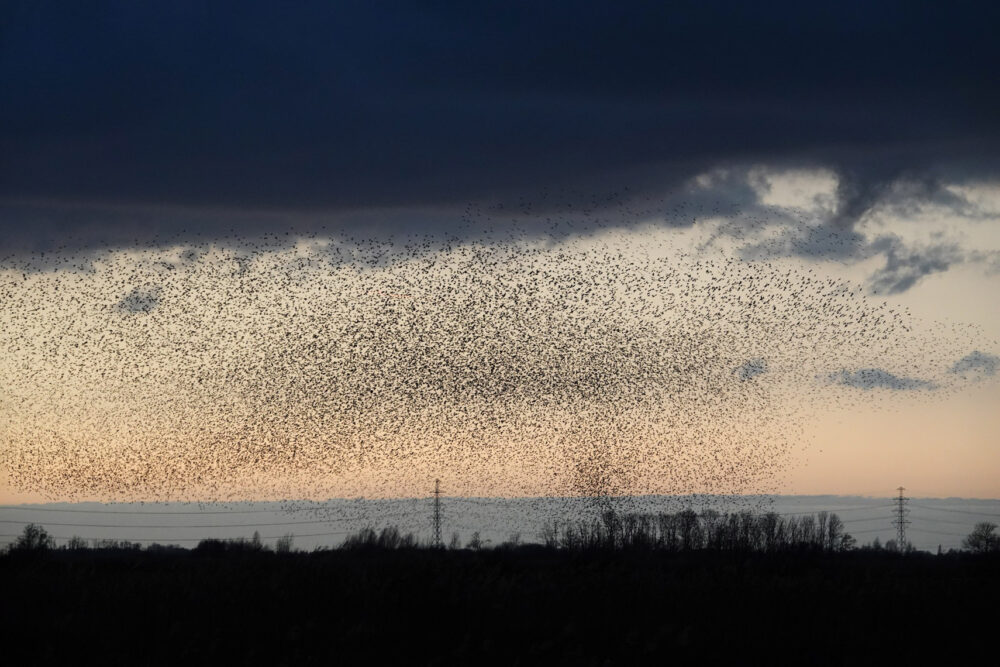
x=122, y=120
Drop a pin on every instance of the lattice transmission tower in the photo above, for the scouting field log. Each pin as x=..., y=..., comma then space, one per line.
x=899, y=520
x=437, y=514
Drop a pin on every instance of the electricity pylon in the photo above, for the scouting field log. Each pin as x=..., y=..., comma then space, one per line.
x=900, y=521
x=437, y=514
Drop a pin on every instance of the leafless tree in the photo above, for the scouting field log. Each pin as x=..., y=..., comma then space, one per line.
x=33, y=538
x=983, y=539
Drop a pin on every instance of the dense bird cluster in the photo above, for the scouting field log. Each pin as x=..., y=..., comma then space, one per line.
x=604, y=365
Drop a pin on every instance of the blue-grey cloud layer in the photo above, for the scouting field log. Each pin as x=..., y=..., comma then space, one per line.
x=319, y=106
x=977, y=362
x=905, y=267
x=140, y=300
x=873, y=378
x=751, y=369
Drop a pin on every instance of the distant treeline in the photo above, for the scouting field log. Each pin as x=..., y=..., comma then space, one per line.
x=689, y=530
x=683, y=531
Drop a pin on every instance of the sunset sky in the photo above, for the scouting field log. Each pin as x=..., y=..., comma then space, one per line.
x=337, y=249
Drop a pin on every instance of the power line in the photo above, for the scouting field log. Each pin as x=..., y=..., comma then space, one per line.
x=933, y=520
x=481, y=501
x=378, y=518
x=942, y=509
x=216, y=525
x=168, y=540
x=837, y=509
x=177, y=513
x=381, y=517
x=869, y=531
x=188, y=539
x=941, y=532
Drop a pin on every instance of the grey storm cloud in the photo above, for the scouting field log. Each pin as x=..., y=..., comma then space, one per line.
x=872, y=378
x=977, y=362
x=904, y=267
x=751, y=369
x=126, y=123
x=905, y=264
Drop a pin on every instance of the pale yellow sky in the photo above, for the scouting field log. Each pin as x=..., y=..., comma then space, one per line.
x=937, y=448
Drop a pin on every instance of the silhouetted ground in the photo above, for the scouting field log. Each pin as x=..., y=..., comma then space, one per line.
x=528, y=605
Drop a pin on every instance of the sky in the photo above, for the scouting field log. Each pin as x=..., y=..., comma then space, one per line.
x=582, y=231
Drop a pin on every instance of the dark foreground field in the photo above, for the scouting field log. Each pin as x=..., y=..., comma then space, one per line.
x=528, y=605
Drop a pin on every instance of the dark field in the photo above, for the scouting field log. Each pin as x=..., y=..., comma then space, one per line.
x=524, y=605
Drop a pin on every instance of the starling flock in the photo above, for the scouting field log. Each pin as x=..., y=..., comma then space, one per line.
x=602, y=364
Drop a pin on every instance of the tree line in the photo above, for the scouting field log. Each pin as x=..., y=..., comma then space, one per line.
x=672, y=532
x=690, y=531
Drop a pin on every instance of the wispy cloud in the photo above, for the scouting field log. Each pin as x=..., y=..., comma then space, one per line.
x=751, y=369
x=140, y=300
x=977, y=362
x=905, y=267
x=872, y=378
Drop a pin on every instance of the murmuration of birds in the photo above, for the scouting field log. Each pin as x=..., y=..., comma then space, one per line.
x=605, y=365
